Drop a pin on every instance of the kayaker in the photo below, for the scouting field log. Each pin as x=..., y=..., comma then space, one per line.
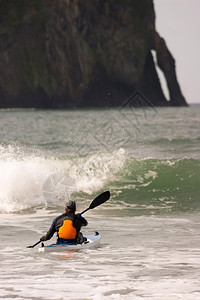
x=67, y=226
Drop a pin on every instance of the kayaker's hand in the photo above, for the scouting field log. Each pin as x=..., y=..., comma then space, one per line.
x=43, y=238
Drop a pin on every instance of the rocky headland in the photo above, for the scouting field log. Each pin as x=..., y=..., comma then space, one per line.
x=83, y=53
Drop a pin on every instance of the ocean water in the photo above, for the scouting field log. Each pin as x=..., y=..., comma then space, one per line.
x=148, y=158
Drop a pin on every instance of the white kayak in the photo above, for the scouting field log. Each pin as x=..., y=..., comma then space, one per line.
x=91, y=242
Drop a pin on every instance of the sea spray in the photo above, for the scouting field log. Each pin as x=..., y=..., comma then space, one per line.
x=32, y=181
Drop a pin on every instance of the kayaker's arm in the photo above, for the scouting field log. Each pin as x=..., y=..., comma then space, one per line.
x=50, y=232
x=82, y=220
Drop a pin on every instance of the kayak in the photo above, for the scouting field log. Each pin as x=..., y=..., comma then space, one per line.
x=91, y=242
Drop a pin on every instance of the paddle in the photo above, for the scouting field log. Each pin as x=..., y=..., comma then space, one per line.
x=34, y=245
x=96, y=202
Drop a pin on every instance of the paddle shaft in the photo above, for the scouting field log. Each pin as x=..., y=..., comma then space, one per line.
x=34, y=245
x=84, y=211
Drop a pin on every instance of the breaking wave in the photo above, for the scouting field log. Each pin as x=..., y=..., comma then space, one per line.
x=138, y=186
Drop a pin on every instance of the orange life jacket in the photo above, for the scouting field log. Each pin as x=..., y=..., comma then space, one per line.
x=67, y=230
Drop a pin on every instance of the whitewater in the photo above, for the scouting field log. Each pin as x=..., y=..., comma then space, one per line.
x=148, y=158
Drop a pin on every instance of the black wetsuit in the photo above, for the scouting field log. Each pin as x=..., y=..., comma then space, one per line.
x=78, y=222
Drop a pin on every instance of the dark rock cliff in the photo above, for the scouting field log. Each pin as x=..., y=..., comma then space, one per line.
x=82, y=53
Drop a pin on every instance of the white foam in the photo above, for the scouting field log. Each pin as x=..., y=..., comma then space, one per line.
x=91, y=173
x=28, y=180
x=21, y=183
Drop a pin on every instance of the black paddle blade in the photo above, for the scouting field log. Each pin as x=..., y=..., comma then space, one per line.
x=100, y=199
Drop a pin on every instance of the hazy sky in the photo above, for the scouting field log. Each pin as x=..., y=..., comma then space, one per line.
x=178, y=22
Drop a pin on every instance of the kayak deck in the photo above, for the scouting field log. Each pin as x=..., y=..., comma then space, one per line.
x=91, y=242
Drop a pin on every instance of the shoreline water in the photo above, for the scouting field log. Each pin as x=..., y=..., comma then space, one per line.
x=150, y=162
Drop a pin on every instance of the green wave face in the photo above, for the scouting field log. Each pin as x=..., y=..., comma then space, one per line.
x=159, y=186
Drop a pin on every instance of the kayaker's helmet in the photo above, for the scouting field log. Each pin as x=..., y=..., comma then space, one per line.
x=71, y=205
